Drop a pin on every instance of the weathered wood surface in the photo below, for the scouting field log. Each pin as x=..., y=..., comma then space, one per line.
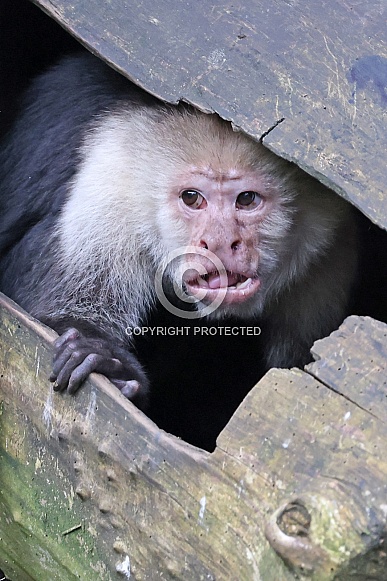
x=353, y=362
x=311, y=77
x=90, y=487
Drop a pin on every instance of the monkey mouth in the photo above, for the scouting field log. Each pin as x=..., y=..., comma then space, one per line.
x=238, y=289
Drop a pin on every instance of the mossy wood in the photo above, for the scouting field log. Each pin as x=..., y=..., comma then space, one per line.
x=296, y=488
x=310, y=78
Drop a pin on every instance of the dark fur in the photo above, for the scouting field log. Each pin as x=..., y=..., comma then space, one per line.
x=38, y=159
x=32, y=194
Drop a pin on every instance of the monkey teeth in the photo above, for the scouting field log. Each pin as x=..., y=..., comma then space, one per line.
x=213, y=281
x=241, y=285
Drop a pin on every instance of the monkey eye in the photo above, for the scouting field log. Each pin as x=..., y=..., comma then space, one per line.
x=248, y=200
x=192, y=198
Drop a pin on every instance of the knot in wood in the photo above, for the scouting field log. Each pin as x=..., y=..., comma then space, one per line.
x=289, y=533
x=294, y=520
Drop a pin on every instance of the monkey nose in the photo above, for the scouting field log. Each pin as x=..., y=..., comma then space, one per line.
x=219, y=245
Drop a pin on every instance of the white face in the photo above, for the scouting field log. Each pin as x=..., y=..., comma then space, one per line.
x=223, y=212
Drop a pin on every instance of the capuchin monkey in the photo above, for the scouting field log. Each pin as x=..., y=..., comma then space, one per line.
x=106, y=193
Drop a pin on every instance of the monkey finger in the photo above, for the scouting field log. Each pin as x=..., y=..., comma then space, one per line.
x=66, y=365
x=61, y=359
x=74, y=376
x=129, y=389
x=77, y=351
x=69, y=335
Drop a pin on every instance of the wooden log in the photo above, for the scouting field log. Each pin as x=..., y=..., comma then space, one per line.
x=309, y=79
x=90, y=488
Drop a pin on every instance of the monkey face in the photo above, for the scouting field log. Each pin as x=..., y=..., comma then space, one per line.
x=185, y=184
x=223, y=211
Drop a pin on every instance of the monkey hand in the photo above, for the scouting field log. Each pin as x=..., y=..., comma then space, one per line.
x=76, y=356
